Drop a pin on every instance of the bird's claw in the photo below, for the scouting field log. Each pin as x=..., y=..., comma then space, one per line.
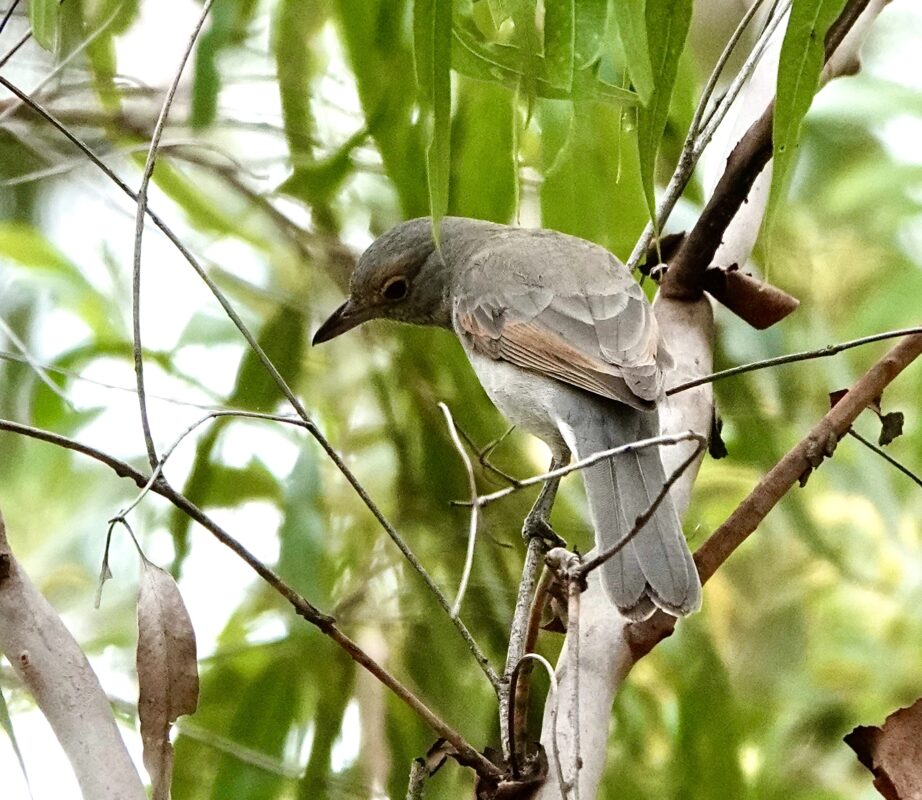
x=539, y=528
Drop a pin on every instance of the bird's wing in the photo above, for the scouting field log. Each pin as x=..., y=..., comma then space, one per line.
x=600, y=336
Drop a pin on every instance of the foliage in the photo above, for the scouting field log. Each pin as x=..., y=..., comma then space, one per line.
x=315, y=123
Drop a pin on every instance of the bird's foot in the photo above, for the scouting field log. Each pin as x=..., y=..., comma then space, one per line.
x=537, y=527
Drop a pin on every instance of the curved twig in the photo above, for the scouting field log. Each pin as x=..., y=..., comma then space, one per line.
x=139, y=233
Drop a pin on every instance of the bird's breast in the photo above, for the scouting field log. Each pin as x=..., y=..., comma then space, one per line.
x=526, y=399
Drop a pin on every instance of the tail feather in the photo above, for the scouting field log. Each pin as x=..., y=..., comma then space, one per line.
x=656, y=568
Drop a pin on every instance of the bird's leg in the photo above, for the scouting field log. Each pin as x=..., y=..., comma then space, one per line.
x=537, y=523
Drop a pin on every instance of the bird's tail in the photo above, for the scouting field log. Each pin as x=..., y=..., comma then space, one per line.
x=656, y=568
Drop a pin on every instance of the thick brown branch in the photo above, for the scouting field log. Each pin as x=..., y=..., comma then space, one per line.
x=798, y=463
x=684, y=280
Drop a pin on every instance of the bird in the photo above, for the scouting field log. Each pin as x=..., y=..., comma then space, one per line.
x=566, y=346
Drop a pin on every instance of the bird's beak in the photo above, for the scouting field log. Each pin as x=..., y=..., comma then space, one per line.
x=345, y=318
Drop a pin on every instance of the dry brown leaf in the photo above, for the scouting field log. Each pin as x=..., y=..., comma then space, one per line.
x=167, y=670
x=893, y=753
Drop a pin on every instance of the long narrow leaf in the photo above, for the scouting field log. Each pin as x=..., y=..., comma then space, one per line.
x=799, y=68
x=667, y=28
x=432, y=50
x=632, y=29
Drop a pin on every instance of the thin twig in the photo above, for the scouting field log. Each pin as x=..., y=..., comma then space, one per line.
x=885, y=456
x=806, y=355
x=62, y=64
x=8, y=14
x=465, y=753
x=553, y=700
x=36, y=367
x=277, y=378
x=483, y=455
x=161, y=462
x=655, y=441
x=586, y=567
x=521, y=698
x=534, y=561
x=139, y=233
x=15, y=48
x=475, y=510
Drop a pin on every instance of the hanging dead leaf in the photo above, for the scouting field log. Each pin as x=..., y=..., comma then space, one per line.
x=167, y=670
x=893, y=753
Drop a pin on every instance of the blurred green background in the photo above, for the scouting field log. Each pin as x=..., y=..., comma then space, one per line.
x=298, y=135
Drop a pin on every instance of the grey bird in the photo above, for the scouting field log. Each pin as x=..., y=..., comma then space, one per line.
x=566, y=346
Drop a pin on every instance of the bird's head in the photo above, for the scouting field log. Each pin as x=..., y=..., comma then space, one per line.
x=401, y=276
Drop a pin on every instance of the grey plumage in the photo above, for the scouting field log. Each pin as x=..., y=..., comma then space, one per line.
x=566, y=345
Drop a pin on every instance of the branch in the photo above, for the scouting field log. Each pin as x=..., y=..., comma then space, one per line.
x=51, y=664
x=684, y=278
x=793, y=468
x=886, y=457
x=139, y=233
x=465, y=753
x=806, y=355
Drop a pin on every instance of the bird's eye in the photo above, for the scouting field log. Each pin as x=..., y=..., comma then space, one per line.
x=395, y=289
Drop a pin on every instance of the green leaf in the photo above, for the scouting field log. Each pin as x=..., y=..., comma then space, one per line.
x=380, y=53
x=45, y=19
x=296, y=22
x=7, y=724
x=799, y=67
x=667, y=28
x=229, y=20
x=559, y=41
x=632, y=30
x=231, y=486
x=483, y=174
x=318, y=182
x=590, y=31
x=25, y=245
x=591, y=184
x=498, y=64
x=432, y=53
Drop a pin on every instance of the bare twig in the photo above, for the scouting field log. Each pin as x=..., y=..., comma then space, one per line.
x=36, y=367
x=645, y=517
x=139, y=233
x=277, y=378
x=158, y=469
x=885, y=456
x=552, y=700
x=475, y=510
x=465, y=753
x=520, y=699
x=518, y=631
x=15, y=48
x=8, y=14
x=806, y=355
x=62, y=64
x=655, y=441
